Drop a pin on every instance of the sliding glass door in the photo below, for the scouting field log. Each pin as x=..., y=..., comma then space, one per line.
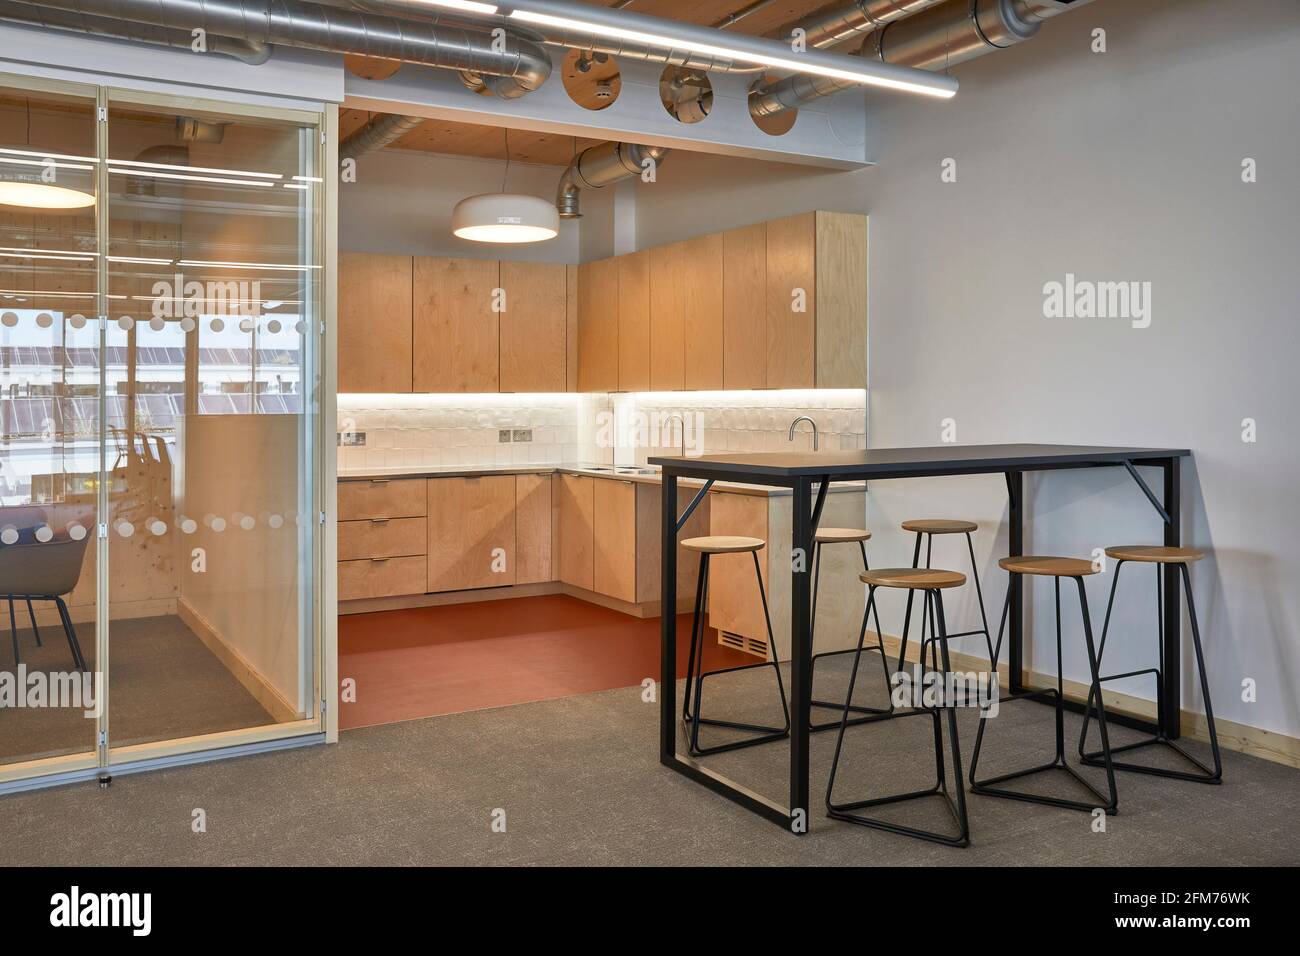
x=174, y=422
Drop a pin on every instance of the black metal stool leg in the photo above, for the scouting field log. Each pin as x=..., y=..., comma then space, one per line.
x=78, y=659
x=868, y=713
x=989, y=787
x=979, y=594
x=13, y=628
x=846, y=811
x=767, y=734
x=907, y=614
x=1202, y=774
x=35, y=630
x=697, y=637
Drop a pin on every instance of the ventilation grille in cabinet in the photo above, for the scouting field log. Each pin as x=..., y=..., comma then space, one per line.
x=748, y=645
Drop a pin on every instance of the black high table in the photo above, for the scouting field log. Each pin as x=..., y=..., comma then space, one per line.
x=801, y=472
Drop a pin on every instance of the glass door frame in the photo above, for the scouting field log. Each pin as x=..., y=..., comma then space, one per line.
x=316, y=434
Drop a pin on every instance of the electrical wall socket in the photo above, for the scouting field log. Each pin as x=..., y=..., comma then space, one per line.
x=503, y=435
x=350, y=439
x=522, y=434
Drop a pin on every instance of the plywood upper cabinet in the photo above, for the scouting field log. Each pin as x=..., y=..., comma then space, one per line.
x=576, y=509
x=668, y=293
x=791, y=301
x=471, y=532
x=456, y=331
x=702, y=284
x=744, y=323
x=598, y=326
x=374, y=323
x=534, y=323
x=841, y=300
x=634, y=322
x=615, y=550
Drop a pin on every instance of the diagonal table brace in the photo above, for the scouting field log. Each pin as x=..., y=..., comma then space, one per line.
x=695, y=503
x=1146, y=489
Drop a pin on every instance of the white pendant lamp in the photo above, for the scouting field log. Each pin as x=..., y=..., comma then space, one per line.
x=505, y=217
x=21, y=184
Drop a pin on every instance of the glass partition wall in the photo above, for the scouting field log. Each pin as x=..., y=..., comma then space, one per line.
x=160, y=306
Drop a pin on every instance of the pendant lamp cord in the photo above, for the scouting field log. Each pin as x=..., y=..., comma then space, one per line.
x=506, y=175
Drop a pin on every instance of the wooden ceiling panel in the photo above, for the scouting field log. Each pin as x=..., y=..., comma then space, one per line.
x=486, y=142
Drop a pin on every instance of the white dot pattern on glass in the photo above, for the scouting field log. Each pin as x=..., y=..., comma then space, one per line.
x=125, y=529
x=76, y=532
x=216, y=325
x=157, y=528
x=157, y=324
x=247, y=522
x=126, y=323
x=275, y=521
x=189, y=525
x=218, y=524
x=274, y=326
x=246, y=325
x=78, y=321
x=9, y=319
x=300, y=327
x=44, y=533
x=9, y=535
x=187, y=324
x=45, y=320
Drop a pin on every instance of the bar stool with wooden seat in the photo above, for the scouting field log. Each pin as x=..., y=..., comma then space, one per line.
x=931, y=582
x=928, y=528
x=707, y=547
x=860, y=536
x=1160, y=556
x=1056, y=568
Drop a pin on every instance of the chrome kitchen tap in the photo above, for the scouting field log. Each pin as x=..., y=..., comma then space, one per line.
x=804, y=418
x=682, y=423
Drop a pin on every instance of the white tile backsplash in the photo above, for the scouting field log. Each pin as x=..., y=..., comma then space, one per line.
x=625, y=428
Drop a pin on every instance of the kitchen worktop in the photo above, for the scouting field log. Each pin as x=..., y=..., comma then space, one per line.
x=639, y=474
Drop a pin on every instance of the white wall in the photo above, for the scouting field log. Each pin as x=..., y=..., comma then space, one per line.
x=1117, y=166
x=402, y=200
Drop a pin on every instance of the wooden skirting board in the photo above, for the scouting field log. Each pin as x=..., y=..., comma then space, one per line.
x=1265, y=744
x=257, y=685
x=644, y=610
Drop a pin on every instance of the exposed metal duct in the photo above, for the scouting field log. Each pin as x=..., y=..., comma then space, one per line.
x=108, y=26
x=829, y=28
x=939, y=36
x=309, y=26
x=377, y=134
x=601, y=166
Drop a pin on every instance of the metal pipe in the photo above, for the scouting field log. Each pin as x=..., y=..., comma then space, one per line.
x=601, y=166
x=312, y=26
x=249, y=51
x=377, y=134
x=937, y=37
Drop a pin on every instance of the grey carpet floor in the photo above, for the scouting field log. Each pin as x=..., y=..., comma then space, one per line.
x=580, y=783
x=165, y=684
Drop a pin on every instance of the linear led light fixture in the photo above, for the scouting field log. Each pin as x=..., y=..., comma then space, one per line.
x=246, y=265
x=191, y=169
x=672, y=35
x=154, y=174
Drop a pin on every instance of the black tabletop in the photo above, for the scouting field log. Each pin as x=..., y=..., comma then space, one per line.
x=940, y=460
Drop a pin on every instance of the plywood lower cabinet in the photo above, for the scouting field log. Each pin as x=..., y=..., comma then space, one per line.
x=577, y=507
x=534, y=517
x=471, y=532
x=614, y=539
x=735, y=609
x=382, y=538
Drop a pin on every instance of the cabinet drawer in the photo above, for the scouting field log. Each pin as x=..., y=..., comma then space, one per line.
x=381, y=577
x=382, y=538
x=381, y=498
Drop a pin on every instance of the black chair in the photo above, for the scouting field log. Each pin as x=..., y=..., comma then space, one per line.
x=1159, y=556
x=32, y=570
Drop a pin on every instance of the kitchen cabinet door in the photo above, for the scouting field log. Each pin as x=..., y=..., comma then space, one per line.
x=841, y=300
x=634, y=322
x=471, y=532
x=456, y=337
x=701, y=264
x=615, y=539
x=534, y=341
x=744, y=307
x=533, y=529
x=374, y=323
x=577, y=506
x=668, y=291
x=792, y=301
x=598, y=326
x=734, y=601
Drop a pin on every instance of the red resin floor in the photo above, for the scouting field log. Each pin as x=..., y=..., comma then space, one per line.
x=422, y=662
